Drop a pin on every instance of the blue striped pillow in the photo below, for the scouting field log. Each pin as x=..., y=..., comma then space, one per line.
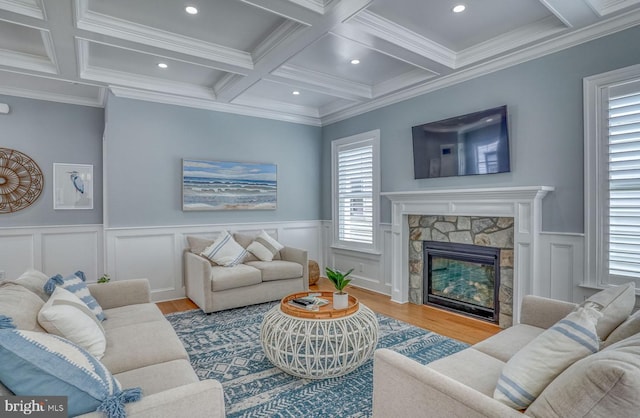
x=75, y=283
x=225, y=251
x=41, y=364
x=531, y=369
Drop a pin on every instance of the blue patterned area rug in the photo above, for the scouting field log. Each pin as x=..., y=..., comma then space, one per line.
x=226, y=346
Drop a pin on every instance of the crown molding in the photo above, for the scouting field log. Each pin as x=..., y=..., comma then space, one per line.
x=580, y=36
x=318, y=6
x=122, y=29
x=531, y=33
x=402, y=81
x=328, y=84
x=32, y=9
x=52, y=97
x=605, y=7
x=253, y=101
x=27, y=62
x=392, y=32
x=150, y=96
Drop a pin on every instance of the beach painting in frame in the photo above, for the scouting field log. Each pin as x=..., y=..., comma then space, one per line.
x=223, y=185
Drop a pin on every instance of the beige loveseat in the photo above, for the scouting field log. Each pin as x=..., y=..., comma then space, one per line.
x=142, y=348
x=604, y=384
x=215, y=288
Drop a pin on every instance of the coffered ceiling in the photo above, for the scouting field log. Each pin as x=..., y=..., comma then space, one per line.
x=250, y=56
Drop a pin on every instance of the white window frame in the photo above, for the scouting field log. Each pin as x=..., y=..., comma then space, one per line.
x=363, y=139
x=596, y=130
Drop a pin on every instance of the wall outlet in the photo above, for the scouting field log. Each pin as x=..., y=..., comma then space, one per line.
x=1, y=274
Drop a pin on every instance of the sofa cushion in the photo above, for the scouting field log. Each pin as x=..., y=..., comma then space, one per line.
x=604, y=384
x=277, y=269
x=225, y=251
x=264, y=247
x=40, y=364
x=159, y=377
x=124, y=316
x=616, y=304
x=246, y=239
x=67, y=316
x=141, y=345
x=34, y=280
x=509, y=341
x=75, y=283
x=21, y=305
x=197, y=245
x=223, y=278
x=628, y=328
x=531, y=369
x=460, y=367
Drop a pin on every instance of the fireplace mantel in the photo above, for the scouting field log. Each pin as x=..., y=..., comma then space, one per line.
x=521, y=203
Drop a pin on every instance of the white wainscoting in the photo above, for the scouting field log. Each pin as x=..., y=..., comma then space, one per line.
x=156, y=252
x=52, y=250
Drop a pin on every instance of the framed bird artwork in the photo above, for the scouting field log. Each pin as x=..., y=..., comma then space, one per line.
x=72, y=186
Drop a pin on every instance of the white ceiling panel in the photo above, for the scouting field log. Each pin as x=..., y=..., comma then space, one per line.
x=133, y=62
x=247, y=56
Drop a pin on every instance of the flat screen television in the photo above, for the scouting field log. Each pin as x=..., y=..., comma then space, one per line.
x=477, y=143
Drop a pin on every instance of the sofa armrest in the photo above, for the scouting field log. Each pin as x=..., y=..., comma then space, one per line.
x=403, y=387
x=121, y=292
x=202, y=399
x=543, y=312
x=197, y=278
x=298, y=256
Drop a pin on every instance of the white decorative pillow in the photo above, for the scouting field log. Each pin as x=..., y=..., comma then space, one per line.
x=264, y=247
x=67, y=316
x=616, y=304
x=225, y=251
x=532, y=368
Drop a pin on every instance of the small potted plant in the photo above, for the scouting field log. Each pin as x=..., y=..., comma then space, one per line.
x=340, y=281
x=104, y=279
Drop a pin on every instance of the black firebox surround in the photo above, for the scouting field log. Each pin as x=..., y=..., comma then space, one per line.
x=462, y=252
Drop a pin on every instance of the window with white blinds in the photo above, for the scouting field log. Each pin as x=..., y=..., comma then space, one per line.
x=624, y=181
x=612, y=178
x=355, y=190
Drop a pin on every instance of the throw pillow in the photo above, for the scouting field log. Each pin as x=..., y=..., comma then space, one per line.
x=532, y=368
x=628, y=328
x=40, y=364
x=225, y=251
x=66, y=315
x=264, y=247
x=34, y=280
x=21, y=305
x=75, y=283
x=616, y=304
x=6, y=322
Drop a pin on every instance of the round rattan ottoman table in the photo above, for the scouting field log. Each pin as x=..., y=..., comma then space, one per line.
x=318, y=344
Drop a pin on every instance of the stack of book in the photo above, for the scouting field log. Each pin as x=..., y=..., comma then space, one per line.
x=308, y=302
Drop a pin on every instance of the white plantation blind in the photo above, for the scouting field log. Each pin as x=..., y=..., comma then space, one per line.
x=624, y=183
x=355, y=194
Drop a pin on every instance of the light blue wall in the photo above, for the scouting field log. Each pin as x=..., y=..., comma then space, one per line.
x=145, y=144
x=50, y=133
x=544, y=100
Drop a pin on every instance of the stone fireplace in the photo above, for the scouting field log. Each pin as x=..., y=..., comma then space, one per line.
x=515, y=208
x=474, y=236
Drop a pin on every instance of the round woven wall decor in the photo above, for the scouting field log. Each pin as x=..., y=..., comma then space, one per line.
x=21, y=181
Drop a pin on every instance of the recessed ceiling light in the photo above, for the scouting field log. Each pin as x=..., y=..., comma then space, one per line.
x=191, y=10
x=162, y=65
x=355, y=61
x=295, y=93
x=459, y=8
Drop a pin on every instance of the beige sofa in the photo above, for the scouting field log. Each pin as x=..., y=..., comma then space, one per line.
x=215, y=288
x=604, y=384
x=142, y=350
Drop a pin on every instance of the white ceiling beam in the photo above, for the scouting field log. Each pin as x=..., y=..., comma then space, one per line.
x=289, y=47
x=288, y=10
x=320, y=82
x=571, y=13
x=62, y=38
x=26, y=8
x=605, y=7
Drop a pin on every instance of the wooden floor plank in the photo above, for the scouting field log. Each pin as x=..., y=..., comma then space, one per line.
x=449, y=324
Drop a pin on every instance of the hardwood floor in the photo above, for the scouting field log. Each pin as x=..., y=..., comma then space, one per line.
x=459, y=327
